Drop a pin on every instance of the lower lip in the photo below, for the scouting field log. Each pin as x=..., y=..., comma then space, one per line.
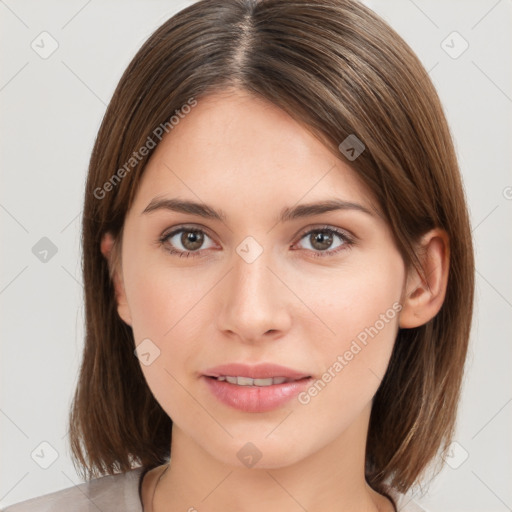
x=255, y=398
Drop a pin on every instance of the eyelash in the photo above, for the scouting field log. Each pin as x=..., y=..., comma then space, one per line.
x=348, y=241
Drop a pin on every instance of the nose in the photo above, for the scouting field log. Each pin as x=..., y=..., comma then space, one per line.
x=254, y=300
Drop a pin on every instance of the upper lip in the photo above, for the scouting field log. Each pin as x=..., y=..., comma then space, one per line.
x=258, y=371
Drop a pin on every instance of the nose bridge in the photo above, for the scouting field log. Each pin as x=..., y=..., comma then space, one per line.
x=253, y=301
x=251, y=279
x=255, y=271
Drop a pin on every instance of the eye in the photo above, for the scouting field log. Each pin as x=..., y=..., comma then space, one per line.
x=322, y=238
x=191, y=239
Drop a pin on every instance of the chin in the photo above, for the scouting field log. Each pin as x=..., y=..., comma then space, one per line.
x=257, y=452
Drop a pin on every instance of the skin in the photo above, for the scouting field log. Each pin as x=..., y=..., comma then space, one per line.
x=247, y=157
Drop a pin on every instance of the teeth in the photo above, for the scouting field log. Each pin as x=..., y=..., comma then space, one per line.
x=247, y=381
x=244, y=381
x=279, y=380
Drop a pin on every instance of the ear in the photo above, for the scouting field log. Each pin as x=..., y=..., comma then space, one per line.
x=423, y=297
x=109, y=250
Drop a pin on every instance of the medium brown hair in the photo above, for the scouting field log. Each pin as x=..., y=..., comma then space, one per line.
x=339, y=69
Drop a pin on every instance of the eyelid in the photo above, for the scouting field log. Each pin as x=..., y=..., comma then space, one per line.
x=340, y=231
x=185, y=227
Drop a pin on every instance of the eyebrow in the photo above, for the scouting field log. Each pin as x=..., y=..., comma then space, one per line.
x=287, y=214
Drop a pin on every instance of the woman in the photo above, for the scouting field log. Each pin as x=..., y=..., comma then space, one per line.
x=275, y=227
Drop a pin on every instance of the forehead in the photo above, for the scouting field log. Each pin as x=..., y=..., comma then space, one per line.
x=233, y=144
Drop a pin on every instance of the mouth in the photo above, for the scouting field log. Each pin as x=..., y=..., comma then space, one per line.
x=259, y=374
x=255, y=387
x=250, y=395
x=248, y=381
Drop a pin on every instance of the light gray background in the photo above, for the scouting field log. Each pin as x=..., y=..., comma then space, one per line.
x=51, y=111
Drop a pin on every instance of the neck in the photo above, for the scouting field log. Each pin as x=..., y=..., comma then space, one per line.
x=331, y=478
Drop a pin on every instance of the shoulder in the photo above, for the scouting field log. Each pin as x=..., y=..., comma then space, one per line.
x=115, y=493
x=406, y=503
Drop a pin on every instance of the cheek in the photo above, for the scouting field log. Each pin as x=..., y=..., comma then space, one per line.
x=162, y=299
x=168, y=308
x=362, y=310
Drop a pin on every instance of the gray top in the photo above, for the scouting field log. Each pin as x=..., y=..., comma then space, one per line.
x=111, y=493
x=119, y=493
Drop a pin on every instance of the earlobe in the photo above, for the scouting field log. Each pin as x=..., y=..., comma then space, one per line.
x=423, y=296
x=108, y=249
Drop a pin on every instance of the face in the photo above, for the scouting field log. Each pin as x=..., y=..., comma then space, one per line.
x=317, y=293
